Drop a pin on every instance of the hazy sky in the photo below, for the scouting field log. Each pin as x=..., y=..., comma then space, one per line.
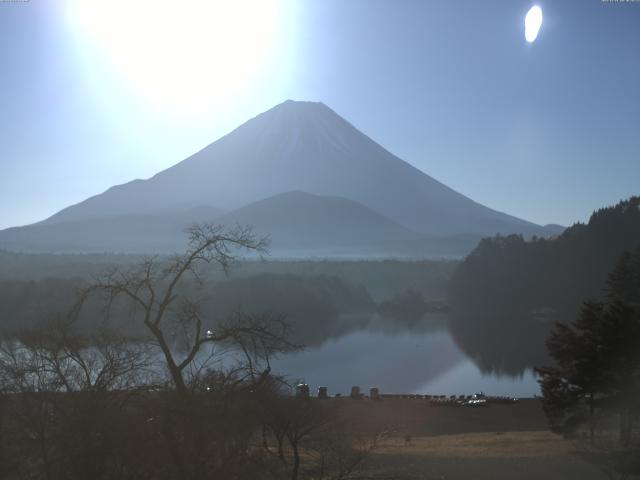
x=96, y=94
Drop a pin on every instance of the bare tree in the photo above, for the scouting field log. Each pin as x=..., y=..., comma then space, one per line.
x=207, y=418
x=152, y=288
x=66, y=393
x=92, y=403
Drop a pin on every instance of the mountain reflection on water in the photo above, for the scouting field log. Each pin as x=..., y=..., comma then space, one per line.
x=408, y=359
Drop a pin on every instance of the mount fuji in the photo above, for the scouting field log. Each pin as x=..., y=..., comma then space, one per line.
x=299, y=172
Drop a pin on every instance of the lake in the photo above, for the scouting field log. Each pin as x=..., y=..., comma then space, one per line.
x=405, y=361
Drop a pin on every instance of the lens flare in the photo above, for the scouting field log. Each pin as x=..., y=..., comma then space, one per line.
x=532, y=23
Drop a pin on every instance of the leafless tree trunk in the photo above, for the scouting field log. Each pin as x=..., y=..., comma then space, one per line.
x=152, y=289
x=158, y=293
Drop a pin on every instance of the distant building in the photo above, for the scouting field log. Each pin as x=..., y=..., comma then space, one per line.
x=322, y=393
x=355, y=392
x=302, y=390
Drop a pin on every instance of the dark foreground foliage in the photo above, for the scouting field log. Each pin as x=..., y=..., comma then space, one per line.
x=74, y=407
x=594, y=386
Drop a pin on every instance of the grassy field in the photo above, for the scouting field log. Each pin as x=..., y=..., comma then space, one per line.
x=492, y=442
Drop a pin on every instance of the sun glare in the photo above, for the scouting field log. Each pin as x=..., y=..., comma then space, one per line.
x=187, y=55
x=532, y=23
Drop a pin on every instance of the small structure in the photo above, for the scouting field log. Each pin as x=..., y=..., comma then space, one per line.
x=302, y=390
x=477, y=400
x=374, y=393
x=322, y=393
x=355, y=392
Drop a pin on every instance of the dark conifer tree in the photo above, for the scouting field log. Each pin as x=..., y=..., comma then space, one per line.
x=597, y=370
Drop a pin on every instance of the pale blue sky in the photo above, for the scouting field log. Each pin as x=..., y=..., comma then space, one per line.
x=547, y=131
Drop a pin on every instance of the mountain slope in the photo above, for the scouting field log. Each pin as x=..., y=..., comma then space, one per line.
x=302, y=146
x=298, y=224
x=301, y=224
x=128, y=233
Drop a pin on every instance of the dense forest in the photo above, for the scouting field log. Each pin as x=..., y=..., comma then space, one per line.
x=509, y=291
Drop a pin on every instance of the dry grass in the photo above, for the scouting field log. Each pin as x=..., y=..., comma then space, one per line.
x=492, y=443
x=482, y=445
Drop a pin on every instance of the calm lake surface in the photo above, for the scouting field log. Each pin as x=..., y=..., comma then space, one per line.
x=426, y=362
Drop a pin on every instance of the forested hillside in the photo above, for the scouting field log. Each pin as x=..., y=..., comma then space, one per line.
x=508, y=290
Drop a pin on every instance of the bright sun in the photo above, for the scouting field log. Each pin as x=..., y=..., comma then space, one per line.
x=180, y=54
